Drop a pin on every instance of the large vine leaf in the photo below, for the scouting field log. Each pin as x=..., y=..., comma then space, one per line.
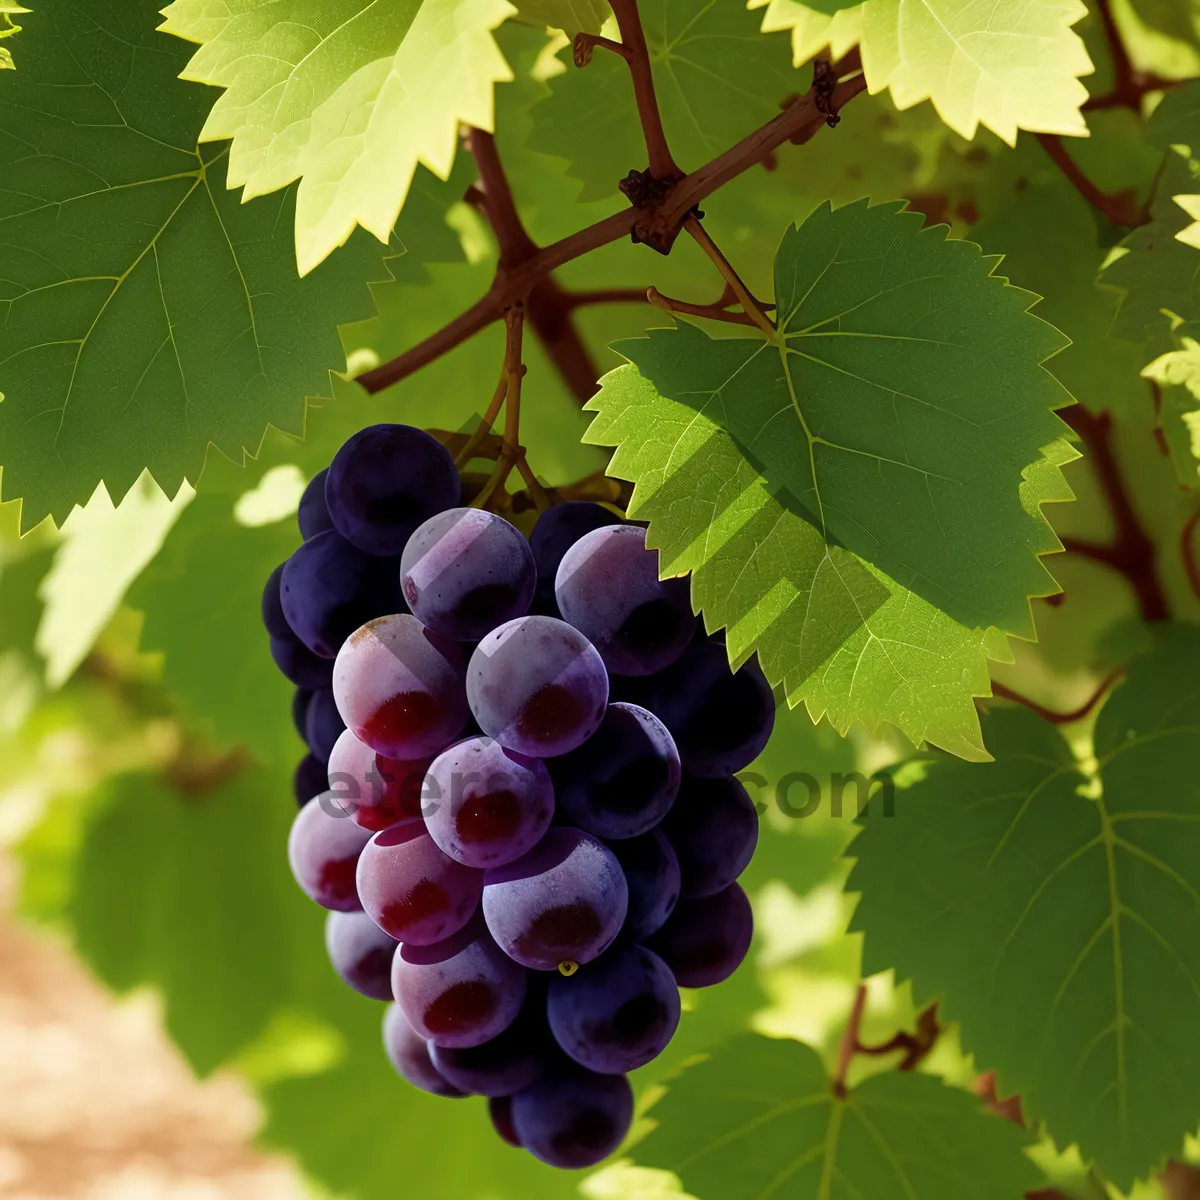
x=761, y=1119
x=347, y=96
x=573, y=16
x=143, y=311
x=1063, y=929
x=716, y=79
x=813, y=26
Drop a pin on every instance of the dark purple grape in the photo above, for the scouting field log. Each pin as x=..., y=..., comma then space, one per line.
x=309, y=780
x=313, y=515
x=272, y=606
x=460, y=992
x=714, y=830
x=720, y=719
x=323, y=851
x=622, y=781
x=300, y=702
x=330, y=588
x=537, y=686
x=465, y=571
x=608, y=587
x=399, y=687
x=299, y=664
x=705, y=940
x=323, y=724
x=361, y=953
x=486, y=806
x=411, y=890
x=384, y=482
x=500, y=1111
x=563, y=902
x=615, y=1014
x=556, y=531
x=510, y=1061
x=652, y=875
x=408, y=1052
x=572, y=1117
x=376, y=790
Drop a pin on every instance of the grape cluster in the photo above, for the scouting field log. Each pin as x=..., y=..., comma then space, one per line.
x=518, y=803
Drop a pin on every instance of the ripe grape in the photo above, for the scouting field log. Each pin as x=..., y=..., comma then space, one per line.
x=329, y=588
x=301, y=699
x=615, y=1014
x=556, y=531
x=563, y=902
x=399, y=687
x=386, y=480
x=537, y=686
x=465, y=571
x=361, y=953
x=622, y=781
x=299, y=664
x=323, y=851
x=323, y=724
x=500, y=1111
x=313, y=515
x=486, y=806
x=272, y=606
x=608, y=587
x=720, y=719
x=714, y=830
x=408, y=1052
x=411, y=890
x=572, y=1117
x=510, y=1061
x=460, y=992
x=652, y=875
x=375, y=790
x=705, y=940
x=309, y=779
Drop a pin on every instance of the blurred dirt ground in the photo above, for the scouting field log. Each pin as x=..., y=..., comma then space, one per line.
x=96, y=1104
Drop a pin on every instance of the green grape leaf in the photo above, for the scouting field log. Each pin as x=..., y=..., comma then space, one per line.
x=201, y=597
x=1179, y=420
x=22, y=573
x=144, y=311
x=814, y=26
x=760, y=1119
x=8, y=10
x=1009, y=65
x=1177, y=19
x=346, y=96
x=1177, y=368
x=572, y=16
x=896, y=410
x=716, y=79
x=1063, y=929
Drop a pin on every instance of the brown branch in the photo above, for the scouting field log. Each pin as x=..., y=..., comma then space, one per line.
x=711, y=312
x=1131, y=551
x=1187, y=551
x=732, y=279
x=916, y=1046
x=850, y=1043
x=549, y=311
x=515, y=244
x=585, y=43
x=1120, y=209
x=575, y=300
x=514, y=372
x=1130, y=86
x=657, y=226
x=1003, y=691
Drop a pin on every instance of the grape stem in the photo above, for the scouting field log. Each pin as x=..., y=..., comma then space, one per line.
x=1130, y=85
x=1002, y=691
x=1120, y=209
x=916, y=1046
x=733, y=281
x=717, y=311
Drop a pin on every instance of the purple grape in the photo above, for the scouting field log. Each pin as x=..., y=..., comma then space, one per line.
x=313, y=515
x=309, y=779
x=299, y=664
x=411, y=890
x=300, y=702
x=705, y=940
x=652, y=875
x=399, y=687
x=460, y=992
x=384, y=482
x=500, y=1111
x=563, y=902
x=323, y=724
x=622, y=781
x=721, y=720
x=330, y=588
x=272, y=606
x=323, y=851
x=465, y=571
x=377, y=791
x=617, y=1013
x=556, y=531
x=361, y=953
x=572, y=1117
x=714, y=830
x=486, y=806
x=408, y=1052
x=537, y=686
x=607, y=586
x=510, y=1061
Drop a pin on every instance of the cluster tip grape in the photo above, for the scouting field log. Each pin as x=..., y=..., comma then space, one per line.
x=519, y=803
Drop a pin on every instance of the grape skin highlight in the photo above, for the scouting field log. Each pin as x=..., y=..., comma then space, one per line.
x=323, y=852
